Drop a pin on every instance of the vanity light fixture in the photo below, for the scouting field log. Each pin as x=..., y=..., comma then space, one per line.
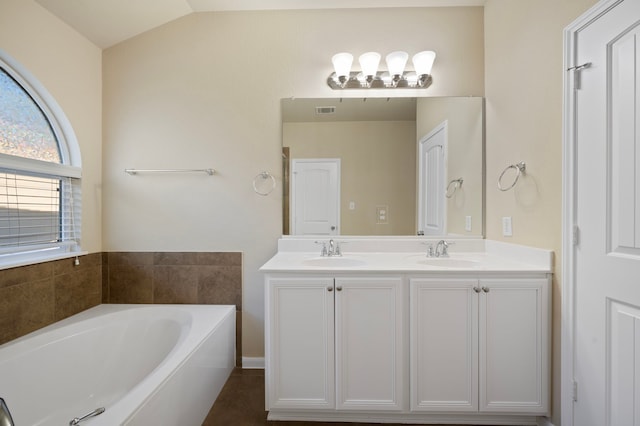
x=370, y=77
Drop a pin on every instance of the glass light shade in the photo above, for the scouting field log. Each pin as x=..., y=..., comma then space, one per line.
x=369, y=63
x=423, y=62
x=342, y=63
x=396, y=62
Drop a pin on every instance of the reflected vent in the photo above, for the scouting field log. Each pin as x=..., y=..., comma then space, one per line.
x=325, y=110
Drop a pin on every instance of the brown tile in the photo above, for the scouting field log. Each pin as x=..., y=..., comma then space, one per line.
x=25, y=308
x=24, y=274
x=220, y=258
x=67, y=266
x=240, y=402
x=130, y=258
x=238, y=338
x=77, y=291
x=130, y=284
x=175, y=258
x=175, y=284
x=105, y=283
x=220, y=285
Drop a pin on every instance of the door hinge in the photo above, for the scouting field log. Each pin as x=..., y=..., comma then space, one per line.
x=574, y=391
x=576, y=235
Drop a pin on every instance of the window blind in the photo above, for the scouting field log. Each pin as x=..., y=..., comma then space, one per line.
x=38, y=212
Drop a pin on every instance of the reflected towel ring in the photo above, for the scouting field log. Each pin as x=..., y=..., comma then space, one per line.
x=457, y=183
x=520, y=168
x=261, y=177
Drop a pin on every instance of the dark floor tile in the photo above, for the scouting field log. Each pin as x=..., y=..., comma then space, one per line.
x=241, y=403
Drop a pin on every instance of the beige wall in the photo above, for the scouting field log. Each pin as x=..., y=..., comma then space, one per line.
x=70, y=69
x=377, y=169
x=464, y=155
x=524, y=71
x=205, y=90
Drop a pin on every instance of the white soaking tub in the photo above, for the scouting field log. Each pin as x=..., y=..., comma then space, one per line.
x=145, y=364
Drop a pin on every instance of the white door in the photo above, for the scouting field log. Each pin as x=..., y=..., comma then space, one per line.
x=514, y=345
x=299, y=369
x=315, y=196
x=606, y=334
x=369, y=343
x=432, y=151
x=444, y=344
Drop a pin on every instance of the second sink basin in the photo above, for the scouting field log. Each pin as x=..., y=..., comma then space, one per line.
x=334, y=262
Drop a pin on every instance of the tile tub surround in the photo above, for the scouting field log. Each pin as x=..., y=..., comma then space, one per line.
x=34, y=296
x=175, y=277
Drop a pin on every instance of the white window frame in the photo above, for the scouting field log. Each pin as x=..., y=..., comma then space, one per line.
x=71, y=167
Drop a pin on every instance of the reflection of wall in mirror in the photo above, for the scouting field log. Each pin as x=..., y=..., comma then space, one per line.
x=378, y=168
x=464, y=158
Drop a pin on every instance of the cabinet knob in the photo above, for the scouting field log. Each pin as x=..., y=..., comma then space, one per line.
x=339, y=288
x=485, y=289
x=476, y=289
x=329, y=289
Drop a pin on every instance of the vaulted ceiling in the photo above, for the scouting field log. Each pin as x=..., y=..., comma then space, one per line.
x=106, y=23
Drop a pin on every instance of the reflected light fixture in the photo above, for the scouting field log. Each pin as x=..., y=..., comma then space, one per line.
x=370, y=77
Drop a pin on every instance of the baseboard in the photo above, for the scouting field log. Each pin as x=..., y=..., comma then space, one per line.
x=544, y=421
x=252, y=363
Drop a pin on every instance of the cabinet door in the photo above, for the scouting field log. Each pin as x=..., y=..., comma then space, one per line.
x=300, y=349
x=369, y=342
x=444, y=344
x=514, y=345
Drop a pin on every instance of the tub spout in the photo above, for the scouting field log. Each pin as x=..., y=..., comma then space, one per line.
x=94, y=413
x=5, y=415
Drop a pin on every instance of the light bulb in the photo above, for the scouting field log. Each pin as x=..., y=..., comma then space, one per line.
x=369, y=63
x=396, y=62
x=423, y=62
x=342, y=63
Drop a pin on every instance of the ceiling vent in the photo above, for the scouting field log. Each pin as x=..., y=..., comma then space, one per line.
x=325, y=110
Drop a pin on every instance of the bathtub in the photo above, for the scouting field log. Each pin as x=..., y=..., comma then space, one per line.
x=145, y=364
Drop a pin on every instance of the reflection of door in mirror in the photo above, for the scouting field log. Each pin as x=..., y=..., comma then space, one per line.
x=432, y=172
x=315, y=196
x=285, y=190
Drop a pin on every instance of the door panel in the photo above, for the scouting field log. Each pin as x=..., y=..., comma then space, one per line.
x=514, y=356
x=300, y=368
x=431, y=185
x=444, y=345
x=607, y=265
x=369, y=342
x=315, y=197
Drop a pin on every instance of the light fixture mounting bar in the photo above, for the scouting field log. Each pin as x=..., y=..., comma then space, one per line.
x=382, y=80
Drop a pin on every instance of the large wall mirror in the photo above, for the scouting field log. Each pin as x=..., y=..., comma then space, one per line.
x=383, y=166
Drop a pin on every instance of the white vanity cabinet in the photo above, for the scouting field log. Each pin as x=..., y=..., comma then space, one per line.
x=480, y=345
x=334, y=343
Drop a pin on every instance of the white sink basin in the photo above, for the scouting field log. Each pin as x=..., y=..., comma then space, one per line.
x=334, y=262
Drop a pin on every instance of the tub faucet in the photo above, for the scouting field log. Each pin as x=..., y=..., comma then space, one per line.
x=5, y=415
x=77, y=420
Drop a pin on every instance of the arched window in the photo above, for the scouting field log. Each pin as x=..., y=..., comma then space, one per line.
x=39, y=172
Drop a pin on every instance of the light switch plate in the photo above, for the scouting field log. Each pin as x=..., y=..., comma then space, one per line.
x=507, y=228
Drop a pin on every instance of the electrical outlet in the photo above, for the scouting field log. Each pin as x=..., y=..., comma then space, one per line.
x=352, y=205
x=467, y=223
x=382, y=214
x=507, y=228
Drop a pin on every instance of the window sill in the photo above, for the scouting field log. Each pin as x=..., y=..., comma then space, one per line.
x=40, y=257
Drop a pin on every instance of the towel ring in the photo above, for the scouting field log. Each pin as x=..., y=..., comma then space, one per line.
x=457, y=183
x=264, y=176
x=520, y=168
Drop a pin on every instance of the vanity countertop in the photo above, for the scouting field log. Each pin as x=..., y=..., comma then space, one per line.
x=410, y=255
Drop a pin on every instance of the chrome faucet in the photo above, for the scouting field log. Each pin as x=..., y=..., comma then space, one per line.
x=441, y=249
x=5, y=415
x=332, y=250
